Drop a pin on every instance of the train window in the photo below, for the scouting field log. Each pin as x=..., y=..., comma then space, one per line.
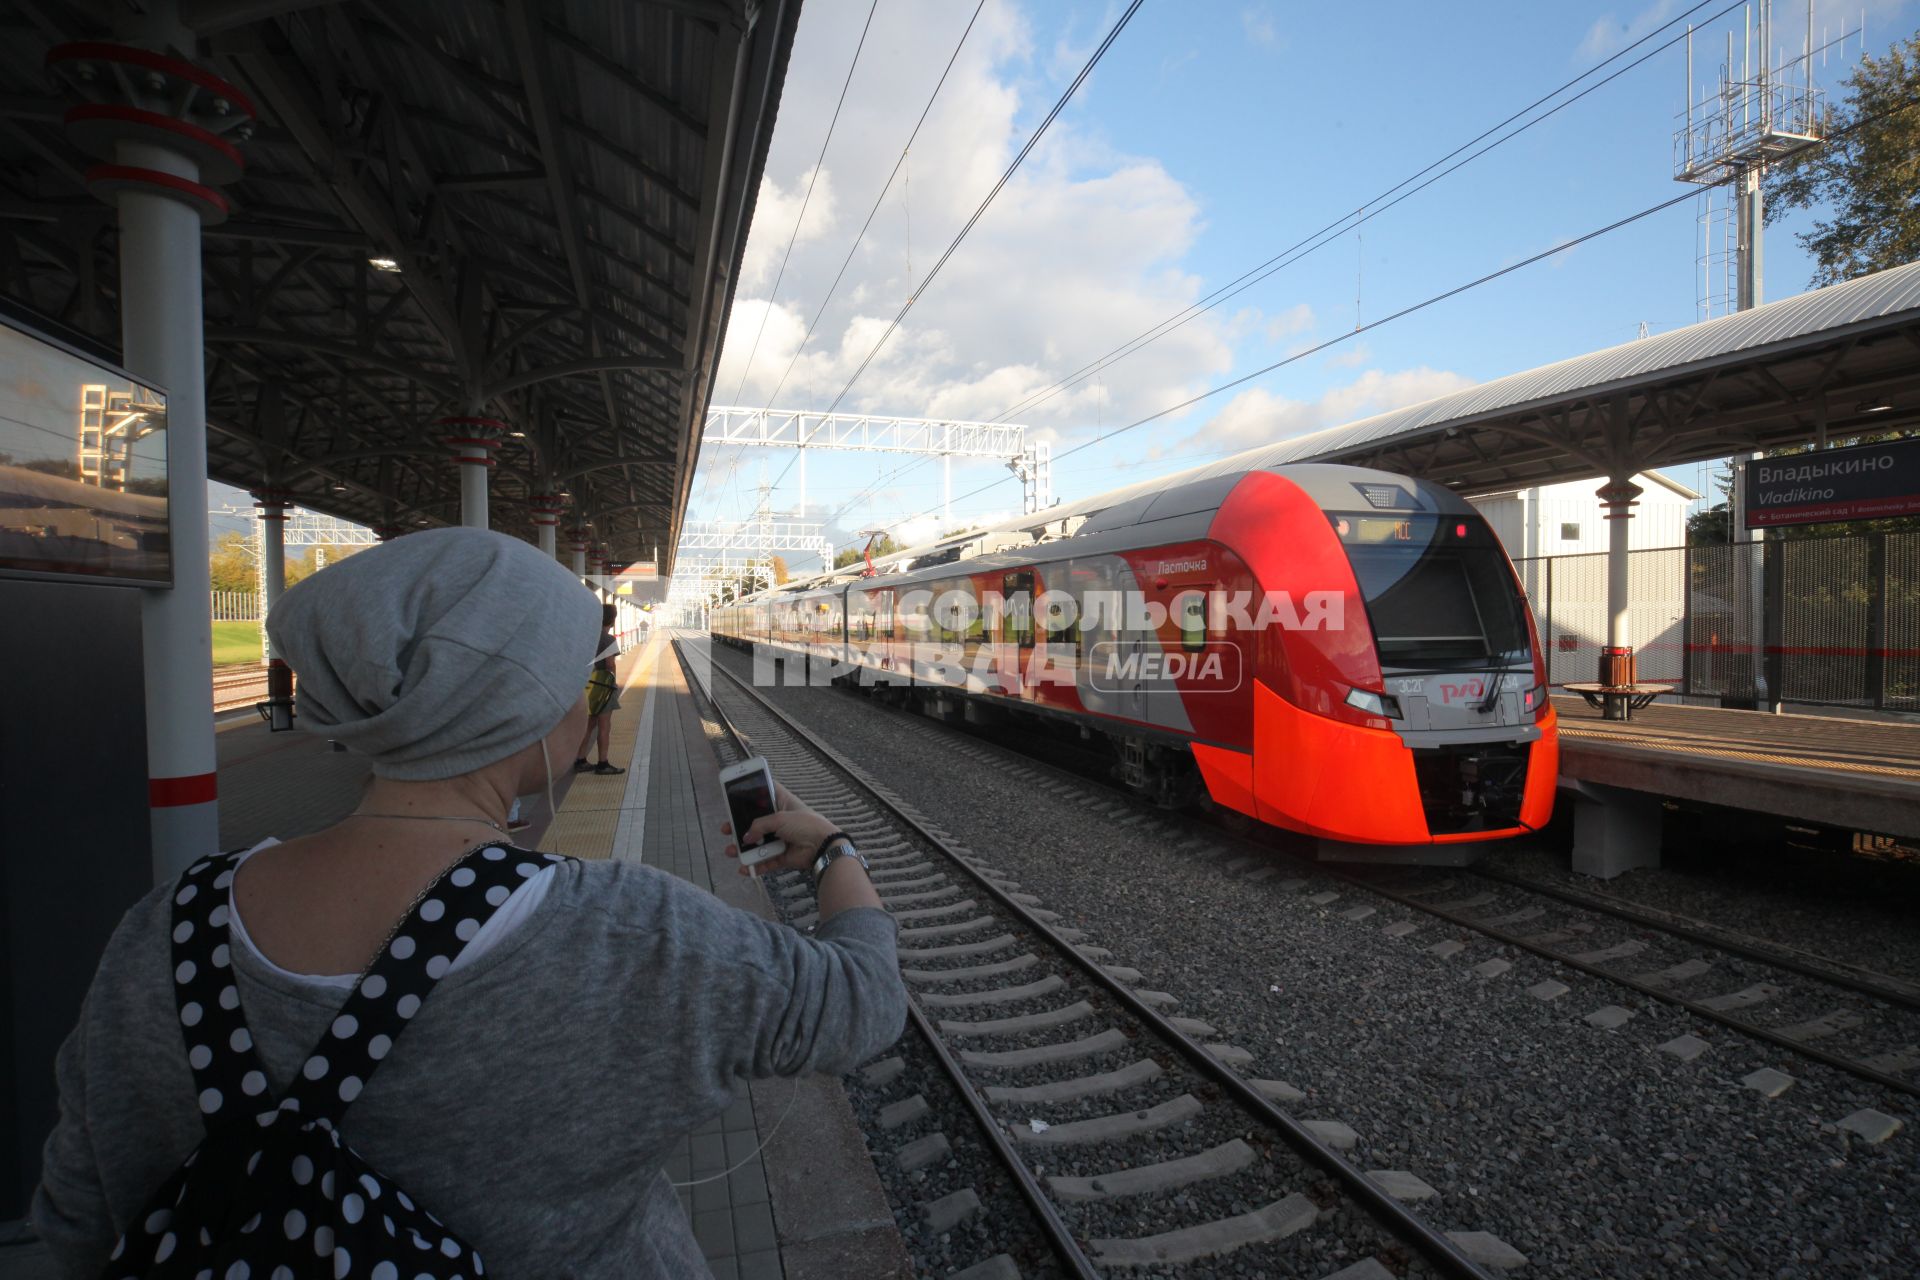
x=1436, y=590
x=1193, y=621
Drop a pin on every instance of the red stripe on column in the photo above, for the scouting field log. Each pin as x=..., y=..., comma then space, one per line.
x=167, y=793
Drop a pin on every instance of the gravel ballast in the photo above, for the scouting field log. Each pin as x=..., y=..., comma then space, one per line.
x=1590, y=1151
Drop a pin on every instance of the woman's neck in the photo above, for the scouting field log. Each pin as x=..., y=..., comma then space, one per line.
x=466, y=797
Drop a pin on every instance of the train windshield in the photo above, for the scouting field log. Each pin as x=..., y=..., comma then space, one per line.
x=1438, y=589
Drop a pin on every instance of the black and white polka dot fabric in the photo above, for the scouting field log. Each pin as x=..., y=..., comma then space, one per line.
x=274, y=1192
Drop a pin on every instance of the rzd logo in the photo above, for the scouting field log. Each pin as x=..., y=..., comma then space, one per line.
x=1467, y=691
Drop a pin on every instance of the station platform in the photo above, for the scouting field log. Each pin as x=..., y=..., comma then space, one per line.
x=1854, y=774
x=781, y=1186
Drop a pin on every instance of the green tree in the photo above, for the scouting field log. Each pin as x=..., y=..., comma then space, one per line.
x=231, y=564
x=883, y=545
x=1867, y=181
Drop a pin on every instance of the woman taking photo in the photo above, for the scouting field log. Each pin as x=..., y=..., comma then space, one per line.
x=238, y=1091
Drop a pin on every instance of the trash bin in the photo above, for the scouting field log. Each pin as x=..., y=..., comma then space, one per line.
x=1616, y=665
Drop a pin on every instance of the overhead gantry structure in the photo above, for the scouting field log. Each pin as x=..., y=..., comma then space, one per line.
x=943, y=438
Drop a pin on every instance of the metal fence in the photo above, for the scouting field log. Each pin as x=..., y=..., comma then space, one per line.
x=236, y=606
x=1834, y=621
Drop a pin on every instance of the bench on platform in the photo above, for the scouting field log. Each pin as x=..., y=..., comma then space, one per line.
x=1616, y=701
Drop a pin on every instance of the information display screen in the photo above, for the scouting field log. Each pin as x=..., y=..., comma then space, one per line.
x=83, y=467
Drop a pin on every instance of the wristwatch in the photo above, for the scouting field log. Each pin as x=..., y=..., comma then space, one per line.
x=837, y=845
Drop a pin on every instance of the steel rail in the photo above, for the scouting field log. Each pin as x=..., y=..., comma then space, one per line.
x=1059, y=1237
x=1431, y=1243
x=1850, y=1066
x=1707, y=933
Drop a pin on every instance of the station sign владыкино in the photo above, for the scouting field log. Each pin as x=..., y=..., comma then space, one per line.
x=1863, y=482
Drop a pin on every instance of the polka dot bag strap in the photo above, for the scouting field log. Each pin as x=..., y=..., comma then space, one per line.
x=226, y=1071
x=422, y=948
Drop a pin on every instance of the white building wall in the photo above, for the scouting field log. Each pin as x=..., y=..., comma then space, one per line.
x=1566, y=519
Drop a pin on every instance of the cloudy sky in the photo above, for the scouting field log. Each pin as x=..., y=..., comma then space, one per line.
x=1211, y=137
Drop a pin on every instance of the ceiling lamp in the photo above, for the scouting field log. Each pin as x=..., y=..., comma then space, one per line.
x=1873, y=408
x=383, y=264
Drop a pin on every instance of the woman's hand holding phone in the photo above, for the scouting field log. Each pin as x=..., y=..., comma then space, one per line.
x=799, y=827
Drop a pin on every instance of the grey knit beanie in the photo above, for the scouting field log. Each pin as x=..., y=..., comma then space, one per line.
x=438, y=653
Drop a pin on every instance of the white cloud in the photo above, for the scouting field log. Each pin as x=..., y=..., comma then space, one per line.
x=774, y=217
x=1262, y=26
x=1350, y=357
x=1258, y=417
x=1298, y=318
x=1080, y=252
x=1609, y=33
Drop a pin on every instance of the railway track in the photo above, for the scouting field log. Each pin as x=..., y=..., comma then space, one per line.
x=234, y=690
x=1864, y=1024
x=1135, y=1142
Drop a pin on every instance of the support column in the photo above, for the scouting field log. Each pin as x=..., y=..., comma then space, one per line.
x=1618, y=497
x=1750, y=217
x=155, y=122
x=946, y=491
x=803, y=483
x=273, y=505
x=546, y=509
x=473, y=443
x=577, y=544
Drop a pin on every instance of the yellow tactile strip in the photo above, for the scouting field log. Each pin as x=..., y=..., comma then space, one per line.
x=590, y=815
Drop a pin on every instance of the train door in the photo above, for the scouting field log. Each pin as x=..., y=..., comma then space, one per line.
x=1016, y=632
x=886, y=630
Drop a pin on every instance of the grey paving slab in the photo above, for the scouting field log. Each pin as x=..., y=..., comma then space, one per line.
x=1402, y=1185
x=949, y=1211
x=1548, y=990
x=1768, y=1082
x=1217, y=1162
x=1274, y=1222
x=1609, y=1016
x=1685, y=1048
x=1277, y=1090
x=1873, y=1126
x=1231, y=1054
x=1488, y=1250
x=1111, y=1128
x=1365, y=1269
x=1335, y=1133
x=1130, y=1076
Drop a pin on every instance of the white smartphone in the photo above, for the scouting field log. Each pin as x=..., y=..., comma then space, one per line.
x=750, y=797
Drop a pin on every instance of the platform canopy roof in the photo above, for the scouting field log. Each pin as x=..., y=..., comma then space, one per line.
x=1835, y=362
x=521, y=210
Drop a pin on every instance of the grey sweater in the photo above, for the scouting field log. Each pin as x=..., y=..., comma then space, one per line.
x=531, y=1103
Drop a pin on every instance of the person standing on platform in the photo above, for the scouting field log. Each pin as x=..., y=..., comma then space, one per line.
x=535, y=1034
x=603, y=699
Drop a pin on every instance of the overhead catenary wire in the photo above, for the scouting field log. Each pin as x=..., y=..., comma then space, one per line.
x=1033, y=140
x=1370, y=209
x=747, y=366
x=1339, y=228
x=1411, y=309
x=878, y=201
x=915, y=292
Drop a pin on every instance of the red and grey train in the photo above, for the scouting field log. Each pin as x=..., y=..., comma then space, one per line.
x=1340, y=652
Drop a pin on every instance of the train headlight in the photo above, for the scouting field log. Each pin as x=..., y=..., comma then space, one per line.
x=1374, y=704
x=1533, y=699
